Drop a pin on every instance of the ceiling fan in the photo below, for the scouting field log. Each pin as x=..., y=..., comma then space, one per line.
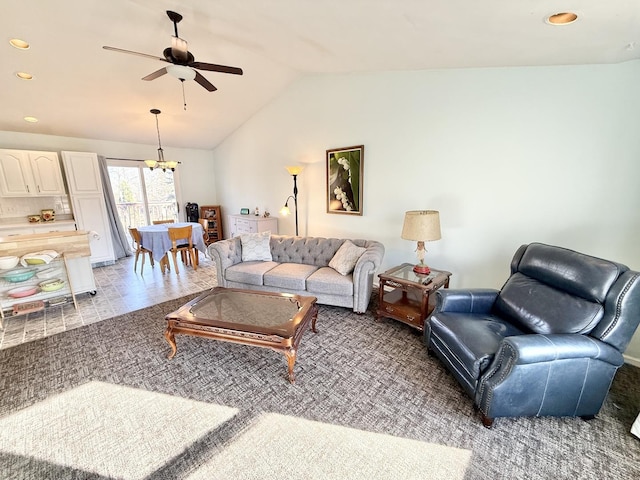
x=183, y=65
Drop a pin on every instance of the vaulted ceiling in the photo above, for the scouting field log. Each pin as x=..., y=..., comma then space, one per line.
x=81, y=90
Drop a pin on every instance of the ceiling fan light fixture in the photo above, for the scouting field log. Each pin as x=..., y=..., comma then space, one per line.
x=563, y=18
x=151, y=163
x=181, y=72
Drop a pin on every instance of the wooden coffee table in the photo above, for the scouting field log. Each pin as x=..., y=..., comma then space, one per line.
x=262, y=319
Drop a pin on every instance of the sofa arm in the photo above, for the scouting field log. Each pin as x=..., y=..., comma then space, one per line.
x=478, y=300
x=225, y=253
x=538, y=375
x=363, y=274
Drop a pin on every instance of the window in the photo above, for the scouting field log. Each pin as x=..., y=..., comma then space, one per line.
x=143, y=195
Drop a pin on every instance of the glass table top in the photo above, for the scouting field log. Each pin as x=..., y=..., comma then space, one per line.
x=245, y=310
x=405, y=272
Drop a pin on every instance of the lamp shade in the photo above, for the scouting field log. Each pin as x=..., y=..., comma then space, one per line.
x=295, y=170
x=421, y=225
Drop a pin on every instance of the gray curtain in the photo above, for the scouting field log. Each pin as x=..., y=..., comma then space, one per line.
x=118, y=234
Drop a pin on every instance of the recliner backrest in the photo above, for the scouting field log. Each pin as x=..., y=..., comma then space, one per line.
x=556, y=290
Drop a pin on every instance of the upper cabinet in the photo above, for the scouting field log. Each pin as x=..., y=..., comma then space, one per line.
x=30, y=174
x=83, y=173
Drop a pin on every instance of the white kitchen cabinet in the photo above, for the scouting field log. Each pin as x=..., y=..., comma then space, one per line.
x=28, y=173
x=83, y=173
x=239, y=224
x=87, y=200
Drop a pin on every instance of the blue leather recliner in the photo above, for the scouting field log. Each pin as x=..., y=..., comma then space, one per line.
x=548, y=343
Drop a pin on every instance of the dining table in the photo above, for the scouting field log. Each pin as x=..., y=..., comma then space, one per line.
x=155, y=238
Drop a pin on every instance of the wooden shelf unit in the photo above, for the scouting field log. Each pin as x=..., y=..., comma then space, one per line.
x=213, y=215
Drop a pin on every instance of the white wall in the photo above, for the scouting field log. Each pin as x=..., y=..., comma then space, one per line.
x=195, y=175
x=508, y=155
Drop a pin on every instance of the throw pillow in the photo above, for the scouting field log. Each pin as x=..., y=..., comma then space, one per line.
x=255, y=246
x=346, y=257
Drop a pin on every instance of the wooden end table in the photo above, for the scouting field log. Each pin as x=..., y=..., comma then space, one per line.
x=408, y=297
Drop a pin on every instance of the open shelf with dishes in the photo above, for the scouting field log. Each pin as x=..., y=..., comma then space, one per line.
x=34, y=286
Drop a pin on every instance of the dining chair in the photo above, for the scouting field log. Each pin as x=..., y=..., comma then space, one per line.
x=205, y=237
x=180, y=234
x=158, y=222
x=205, y=230
x=137, y=245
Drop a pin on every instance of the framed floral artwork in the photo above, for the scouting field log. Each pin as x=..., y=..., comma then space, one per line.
x=345, y=168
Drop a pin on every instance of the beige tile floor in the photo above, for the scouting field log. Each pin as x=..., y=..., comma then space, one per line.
x=119, y=290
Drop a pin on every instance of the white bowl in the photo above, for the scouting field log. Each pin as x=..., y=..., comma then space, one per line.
x=8, y=262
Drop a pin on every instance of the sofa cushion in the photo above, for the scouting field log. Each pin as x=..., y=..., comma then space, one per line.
x=290, y=276
x=326, y=280
x=346, y=257
x=251, y=273
x=255, y=246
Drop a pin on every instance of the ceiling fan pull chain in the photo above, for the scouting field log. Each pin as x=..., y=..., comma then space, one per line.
x=184, y=100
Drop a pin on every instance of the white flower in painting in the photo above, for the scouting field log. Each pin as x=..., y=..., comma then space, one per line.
x=342, y=197
x=344, y=162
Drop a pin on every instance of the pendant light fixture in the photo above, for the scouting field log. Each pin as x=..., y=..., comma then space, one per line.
x=161, y=162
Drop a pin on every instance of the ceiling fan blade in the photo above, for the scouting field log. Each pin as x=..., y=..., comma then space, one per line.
x=212, y=67
x=156, y=74
x=204, y=82
x=122, y=50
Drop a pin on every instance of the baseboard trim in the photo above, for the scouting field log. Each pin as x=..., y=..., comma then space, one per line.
x=632, y=360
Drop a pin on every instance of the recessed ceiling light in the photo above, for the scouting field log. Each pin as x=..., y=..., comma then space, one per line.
x=21, y=44
x=24, y=75
x=564, y=18
x=31, y=119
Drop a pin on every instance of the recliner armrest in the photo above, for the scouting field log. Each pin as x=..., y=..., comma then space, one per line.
x=527, y=349
x=476, y=300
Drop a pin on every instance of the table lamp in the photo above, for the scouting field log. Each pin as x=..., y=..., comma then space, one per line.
x=421, y=226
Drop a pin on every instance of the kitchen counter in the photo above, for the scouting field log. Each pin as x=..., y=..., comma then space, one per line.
x=18, y=226
x=74, y=243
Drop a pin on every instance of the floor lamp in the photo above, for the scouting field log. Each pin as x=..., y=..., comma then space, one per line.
x=294, y=171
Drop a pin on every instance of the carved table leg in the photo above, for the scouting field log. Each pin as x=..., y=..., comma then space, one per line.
x=169, y=337
x=291, y=360
x=315, y=317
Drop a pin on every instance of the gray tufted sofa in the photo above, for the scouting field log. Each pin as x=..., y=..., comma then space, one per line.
x=300, y=266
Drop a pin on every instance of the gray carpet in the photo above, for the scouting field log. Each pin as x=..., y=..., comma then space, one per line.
x=95, y=402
